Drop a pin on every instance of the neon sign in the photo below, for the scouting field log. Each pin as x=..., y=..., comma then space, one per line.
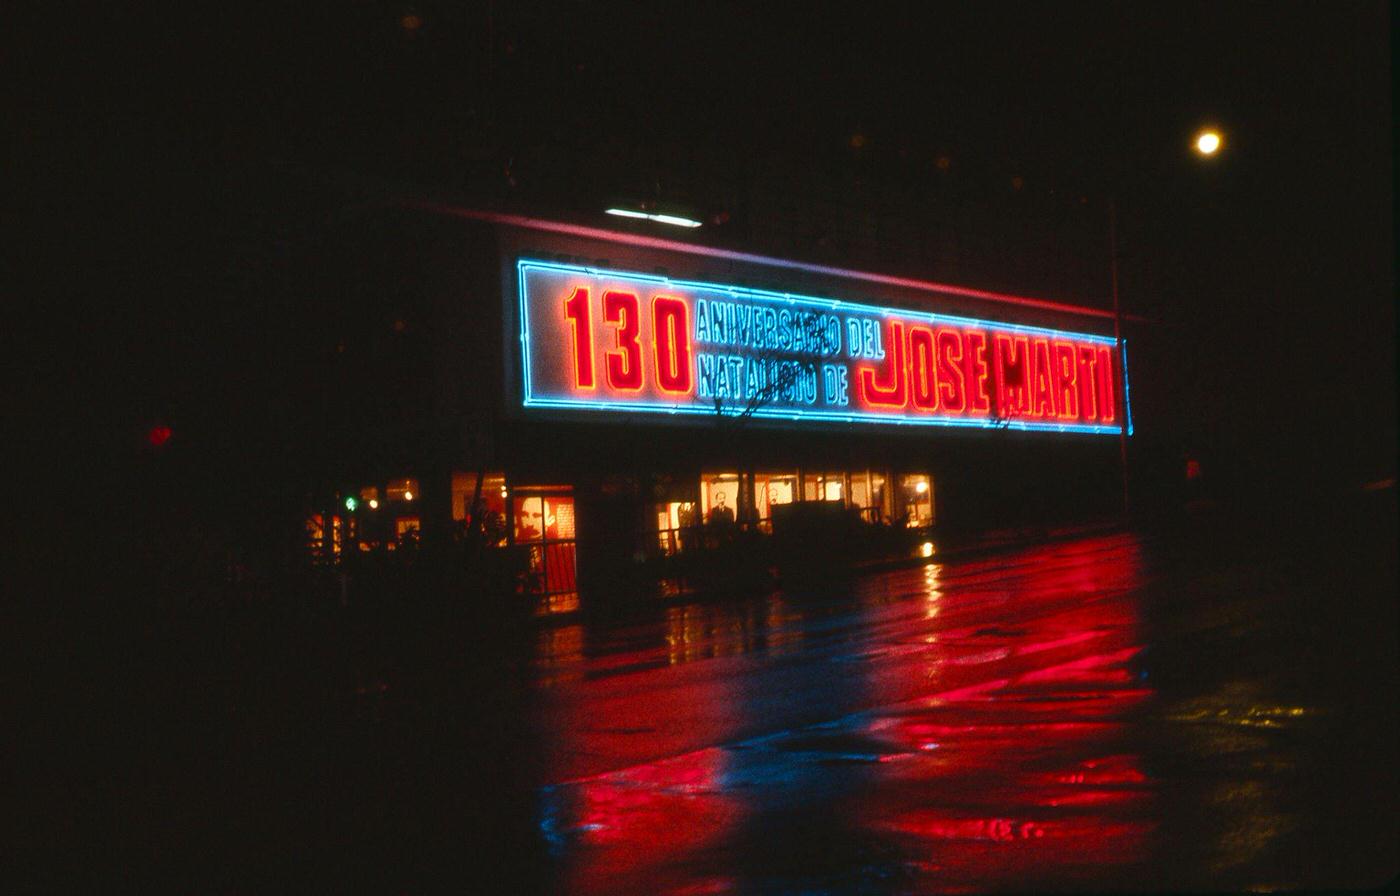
x=607, y=340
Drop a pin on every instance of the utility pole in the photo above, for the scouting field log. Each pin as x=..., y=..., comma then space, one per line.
x=1118, y=340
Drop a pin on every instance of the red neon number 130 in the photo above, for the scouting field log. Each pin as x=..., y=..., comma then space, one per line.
x=623, y=363
x=576, y=310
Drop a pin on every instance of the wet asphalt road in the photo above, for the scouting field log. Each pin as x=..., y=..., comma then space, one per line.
x=1210, y=707
x=1205, y=705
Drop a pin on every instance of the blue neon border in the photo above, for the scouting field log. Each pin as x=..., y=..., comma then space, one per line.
x=1127, y=395
x=529, y=401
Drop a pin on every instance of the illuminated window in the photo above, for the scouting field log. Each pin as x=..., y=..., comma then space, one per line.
x=542, y=521
x=543, y=518
x=824, y=486
x=860, y=489
x=491, y=512
x=464, y=489
x=916, y=499
x=674, y=523
x=719, y=497
x=316, y=533
x=868, y=494
x=772, y=489
x=406, y=527
x=879, y=495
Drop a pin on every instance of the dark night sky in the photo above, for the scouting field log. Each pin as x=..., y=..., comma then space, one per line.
x=144, y=143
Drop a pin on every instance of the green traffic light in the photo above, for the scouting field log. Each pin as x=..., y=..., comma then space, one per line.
x=351, y=503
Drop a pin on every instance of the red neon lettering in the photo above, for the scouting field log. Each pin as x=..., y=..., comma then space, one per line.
x=895, y=394
x=576, y=310
x=1088, y=381
x=1066, y=397
x=1011, y=363
x=975, y=369
x=670, y=321
x=1108, y=406
x=624, y=361
x=948, y=345
x=922, y=380
x=1043, y=400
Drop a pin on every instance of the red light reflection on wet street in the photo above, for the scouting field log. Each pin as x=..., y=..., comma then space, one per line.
x=940, y=727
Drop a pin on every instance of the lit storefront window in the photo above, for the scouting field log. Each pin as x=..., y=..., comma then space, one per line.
x=316, y=532
x=916, y=496
x=675, y=522
x=729, y=497
x=542, y=523
x=824, y=486
x=868, y=494
x=771, y=490
x=540, y=519
x=719, y=498
x=490, y=512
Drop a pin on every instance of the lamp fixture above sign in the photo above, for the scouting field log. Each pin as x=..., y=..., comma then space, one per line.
x=675, y=220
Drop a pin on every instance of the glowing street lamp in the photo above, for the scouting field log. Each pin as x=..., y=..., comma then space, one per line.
x=1208, y=142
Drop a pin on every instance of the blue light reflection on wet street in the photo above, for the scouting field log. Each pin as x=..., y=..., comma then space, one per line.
x=983, y=724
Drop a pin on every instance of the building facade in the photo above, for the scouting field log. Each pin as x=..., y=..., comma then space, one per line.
x=601, y=401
